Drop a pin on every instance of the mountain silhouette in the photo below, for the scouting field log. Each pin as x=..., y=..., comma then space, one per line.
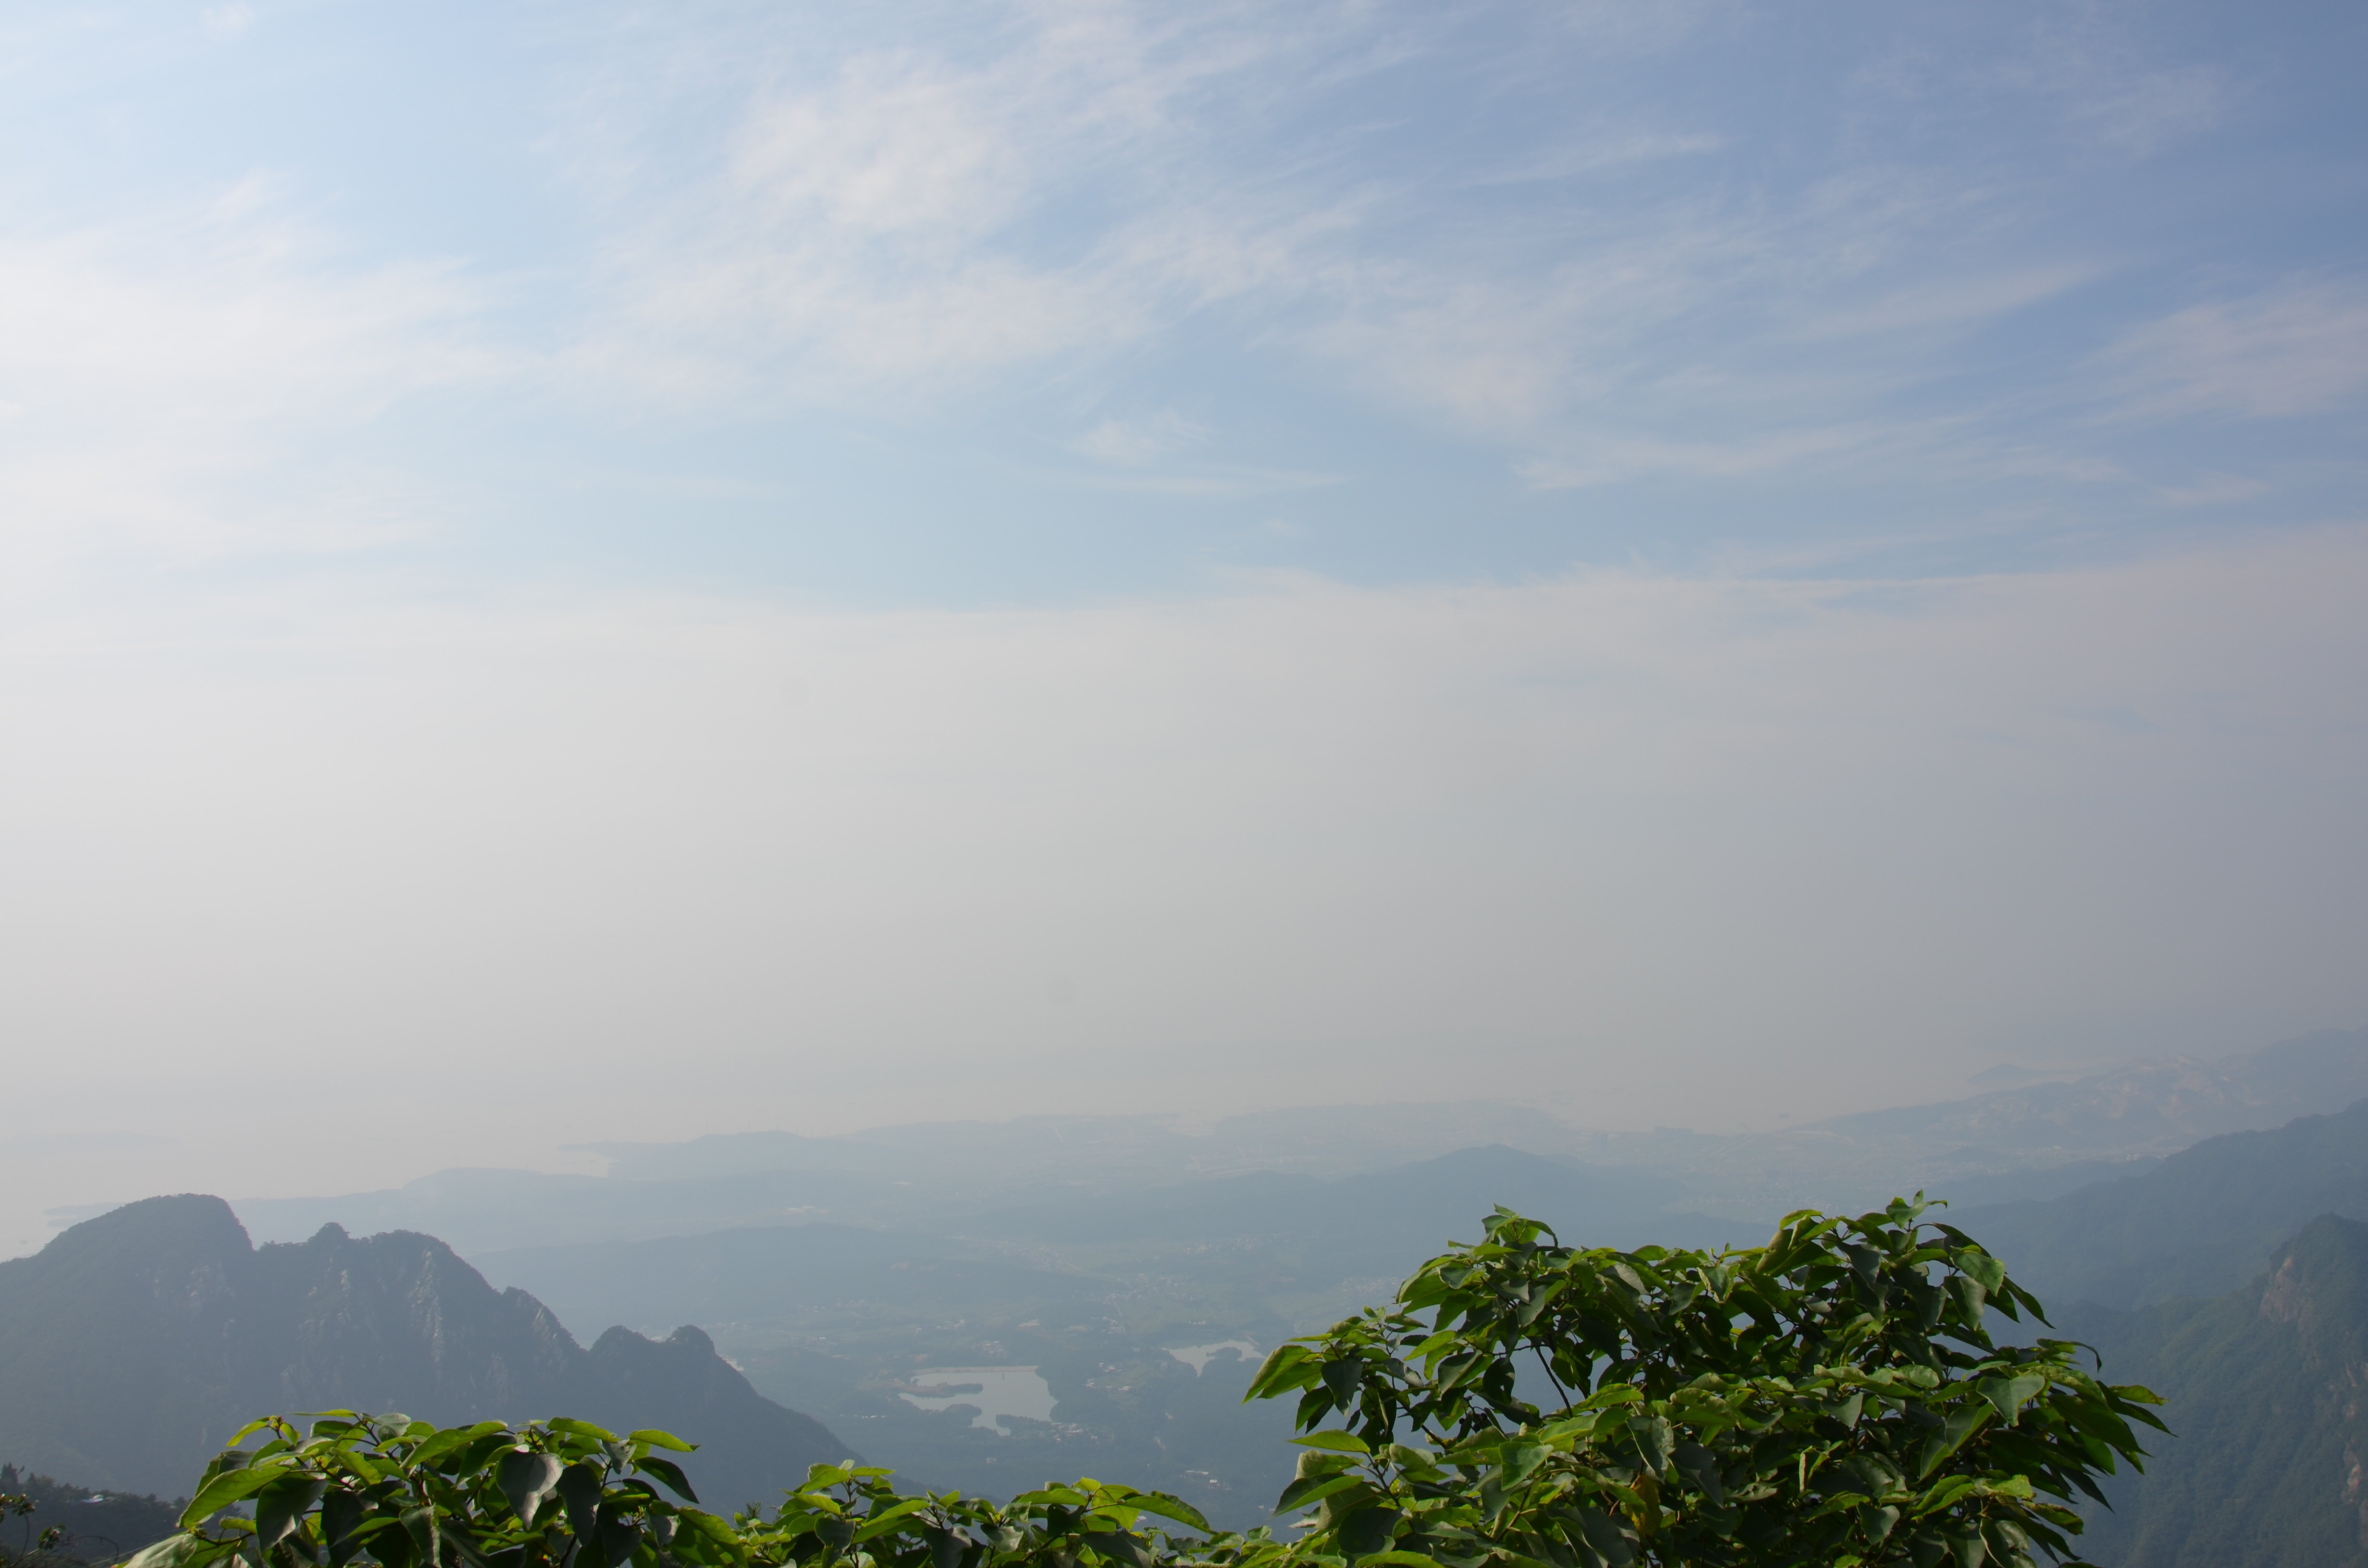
x=134, y=1344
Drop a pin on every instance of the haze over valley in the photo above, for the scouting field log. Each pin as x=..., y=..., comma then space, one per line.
x=984, y=1304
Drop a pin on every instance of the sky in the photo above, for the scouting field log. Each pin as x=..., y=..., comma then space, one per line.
x=607, y=571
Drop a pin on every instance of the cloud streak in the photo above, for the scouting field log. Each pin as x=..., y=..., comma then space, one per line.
x=1707, y=261
x=2295, y=349
x=141, y=402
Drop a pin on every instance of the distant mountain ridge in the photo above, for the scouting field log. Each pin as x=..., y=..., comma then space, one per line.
x=2035, y=1142
x=2152, y=1107
x=2200, y=1223
x=1369, y=1229
x=2032, y=1141
x=134, y=1344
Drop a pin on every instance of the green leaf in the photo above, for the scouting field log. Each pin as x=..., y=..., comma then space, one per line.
x=1611, y=1542
x=1171, y=1507
x=671, y=1473
x=342, y=1513
x=619, y=1535
x=451, y=1440
x=457, y=1544
x=880, y=1524
x=1314, y=1489
x=1981, y=1267
x=1655, y=1441
x=175, y=1551
x=419, y=1524
x=579, y=1491
x=525, y=1479
x=1702, y=1466
x=1961, y=1424
x=1286, y=1367
x=1520, y=1459
x=231, y=1486
x=1118, y=1547
x=1367, y=1532
x=659, y=1439
x=279, y=1507
x=1319, y=1463
x=1341, y=1442
x=2008, y=1393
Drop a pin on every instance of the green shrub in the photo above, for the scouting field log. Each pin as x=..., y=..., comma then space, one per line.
x=1833, y=1398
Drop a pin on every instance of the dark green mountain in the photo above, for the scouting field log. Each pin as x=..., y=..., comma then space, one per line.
x=2266, y=1389
x=2203, y=1222
x=134, y=1344
x=96, y=1526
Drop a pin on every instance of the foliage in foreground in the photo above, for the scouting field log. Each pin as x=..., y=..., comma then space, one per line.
x=1832, y=1398
x=17, y=1506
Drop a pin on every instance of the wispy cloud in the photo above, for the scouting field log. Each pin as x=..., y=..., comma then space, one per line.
x=1136, y=441
x=1595, y=247
x=1948, y=304
x=143, y=396
x=902, y=219
x=2298, y=349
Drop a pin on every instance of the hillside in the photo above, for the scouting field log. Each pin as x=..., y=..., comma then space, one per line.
x=134, y=1344
x=2203, y=1222
x=97, y=1526
x=2265, y=1392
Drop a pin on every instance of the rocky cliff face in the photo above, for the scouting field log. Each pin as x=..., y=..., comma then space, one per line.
x=2266, y=1390
x=134, y=1344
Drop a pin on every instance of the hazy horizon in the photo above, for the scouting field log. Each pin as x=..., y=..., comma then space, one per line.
x=577, y=573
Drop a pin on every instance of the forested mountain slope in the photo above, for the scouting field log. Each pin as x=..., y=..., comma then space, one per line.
x=2267, y=1392
x=134, y=1344
x=94, y=1526
x=2203, y=1222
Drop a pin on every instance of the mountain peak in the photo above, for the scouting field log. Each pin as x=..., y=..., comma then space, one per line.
x=181, y=1223
x=137, y=1342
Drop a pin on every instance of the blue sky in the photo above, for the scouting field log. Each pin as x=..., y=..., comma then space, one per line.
x=1030, y=304
x=1692, y=561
